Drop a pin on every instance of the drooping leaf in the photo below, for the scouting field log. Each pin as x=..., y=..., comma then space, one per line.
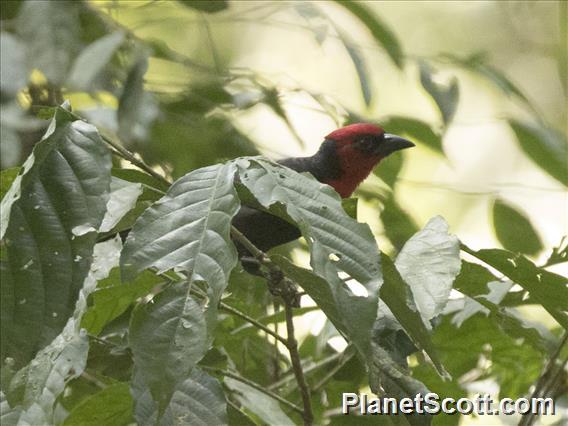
x=389, y=170
x=546, y=147
x=112, y=406
x=207, y=6
x=397, y=296
x=49, y=216
x=445, y=96
x=429, y=263
x=416, y=130
x=380, y=32
x=50, y=30
x=34, y=389
x=337, y=243
x=360, y=66
x=386, y=374
x=136, y=107
x=266, y=408
x=547, y=288
x=514, y=230
x=92, y=61
x=168, y=336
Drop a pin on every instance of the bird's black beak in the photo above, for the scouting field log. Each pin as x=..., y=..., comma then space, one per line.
x=392, y=143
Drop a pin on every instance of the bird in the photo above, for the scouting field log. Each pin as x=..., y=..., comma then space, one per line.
x=344, y=159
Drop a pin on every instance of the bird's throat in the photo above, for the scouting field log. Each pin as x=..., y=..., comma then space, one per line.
x=355, y=167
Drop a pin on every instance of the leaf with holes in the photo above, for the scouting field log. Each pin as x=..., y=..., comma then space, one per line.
x=338, y=244
x=49, y=219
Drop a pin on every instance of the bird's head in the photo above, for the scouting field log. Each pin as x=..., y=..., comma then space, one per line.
x=358, y=149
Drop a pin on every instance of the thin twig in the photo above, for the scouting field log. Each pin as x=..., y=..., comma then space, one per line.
x=254, y=322
x=342, y=361
x=255, y=386
x=296, y=364
x=546, y=379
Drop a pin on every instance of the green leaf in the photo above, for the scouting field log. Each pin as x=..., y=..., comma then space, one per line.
x=265, y=407
x=113, y=298
x=34, y=390
x=51, y=32
x=188, y=229
x=445, y=96
x=208, y=6
x=136, y=176
x=514, y=230
x=547, y=288
x=13, y=67
x=397, y=295
x=546, y=147
x=136, y=108
x=92, y=60
x=398, y=224
x=360, y=66
x=7, y=177
x=380, y=32
x=473, y=281
x=49, y=219
x=429, y=263
x=112, y=406
x=168, y=336
x=386, y=374
x=418, y=131
x=338, y=244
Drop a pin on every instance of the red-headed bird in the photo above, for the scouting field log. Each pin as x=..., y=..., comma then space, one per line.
x=345, y=158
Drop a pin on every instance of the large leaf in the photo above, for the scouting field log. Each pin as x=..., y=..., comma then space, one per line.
x=34, y=390
x=49, y=216
x=397, y=295
x=429, y=263
x=514, y=230
x=547, y=288
x=381, y=33
x=112, y=406
x=547, y=147
x=198, y=399
x=338, y=244
x=445, y=96
x=92, y=61
x=188, y=229
x=51, y=32
x=168, y=336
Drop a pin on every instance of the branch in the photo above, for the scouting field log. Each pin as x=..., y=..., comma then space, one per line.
x=296, y=364
x=546, y=380
x=255, y=386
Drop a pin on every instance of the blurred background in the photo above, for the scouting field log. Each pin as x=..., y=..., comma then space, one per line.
x=479, y=86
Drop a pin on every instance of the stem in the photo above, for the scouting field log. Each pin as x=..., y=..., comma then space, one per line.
x=546, y=380
x=255, y=386
x=254, y=322
x=296, y=364
x=344, y=360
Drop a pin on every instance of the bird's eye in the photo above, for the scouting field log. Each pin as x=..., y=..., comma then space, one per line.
x=366, y=143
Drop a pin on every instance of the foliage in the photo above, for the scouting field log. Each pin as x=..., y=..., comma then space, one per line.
x=167, y=328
